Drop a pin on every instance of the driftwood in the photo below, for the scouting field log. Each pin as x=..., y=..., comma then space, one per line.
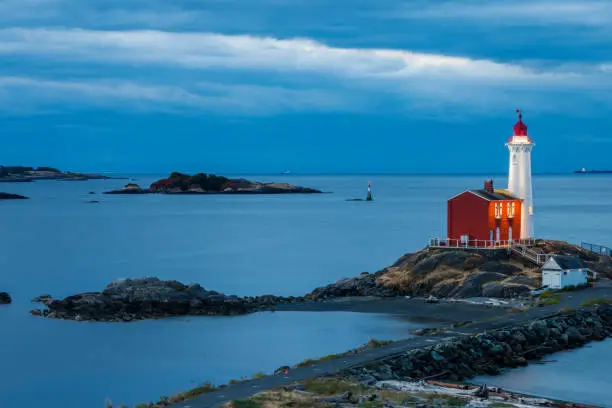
x=449, y=385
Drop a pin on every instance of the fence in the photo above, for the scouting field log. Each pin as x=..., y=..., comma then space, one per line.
x=598, y=249
x=477, y=243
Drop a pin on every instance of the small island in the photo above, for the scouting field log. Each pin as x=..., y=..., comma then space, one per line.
x=9, y=196
x=179, y=183
x=26, y=174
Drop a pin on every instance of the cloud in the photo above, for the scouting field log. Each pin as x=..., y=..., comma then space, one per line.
x=23, y=95
x=337, y=78
x=215, y=51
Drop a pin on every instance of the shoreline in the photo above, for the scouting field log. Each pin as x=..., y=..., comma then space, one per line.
x=499, y=345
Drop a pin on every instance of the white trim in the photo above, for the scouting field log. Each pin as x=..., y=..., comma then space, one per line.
x=466, y=191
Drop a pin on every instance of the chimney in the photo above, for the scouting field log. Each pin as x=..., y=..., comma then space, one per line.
x=488, y=186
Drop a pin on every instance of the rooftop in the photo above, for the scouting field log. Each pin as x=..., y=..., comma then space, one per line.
x=568, y=262
x=496, y=195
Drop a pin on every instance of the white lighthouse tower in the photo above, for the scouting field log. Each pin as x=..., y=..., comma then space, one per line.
x=519, y=176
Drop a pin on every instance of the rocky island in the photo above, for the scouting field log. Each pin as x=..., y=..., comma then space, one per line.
x=147, y=298
x=178, y=183
x=9, y=196
x=25, y=174
x=435, y=272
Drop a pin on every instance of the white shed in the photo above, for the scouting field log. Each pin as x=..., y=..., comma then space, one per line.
x=562, y=271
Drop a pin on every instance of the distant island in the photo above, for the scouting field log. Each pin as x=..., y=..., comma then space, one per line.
x=8, y=196
x=25, y=174
x=179, y=183
x=585, y=171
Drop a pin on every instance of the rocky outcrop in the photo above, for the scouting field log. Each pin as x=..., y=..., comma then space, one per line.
x=488, y=353
x=8, y=196
x=144, y=298
x=129, y=188
x=460, y=274
x=5, y=298
x=441, y=273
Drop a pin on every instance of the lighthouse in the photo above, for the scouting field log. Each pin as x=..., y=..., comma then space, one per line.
x=519, y=176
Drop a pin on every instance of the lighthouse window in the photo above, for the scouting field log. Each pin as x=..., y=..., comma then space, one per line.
x=511, y=209
x=530, y=210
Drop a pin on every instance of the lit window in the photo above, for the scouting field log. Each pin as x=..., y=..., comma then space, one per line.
x=498, y=210
x=530, y=210
x=511, y=209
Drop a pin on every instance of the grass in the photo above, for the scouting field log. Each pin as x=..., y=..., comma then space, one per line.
x=245, y=403
x=596, y=301
x=549, y=298
x=258, y=374
x=330, y=387
x=567, y=309
x=575, y=287
x=311, y=361
x=373, y=343
x=203, y=389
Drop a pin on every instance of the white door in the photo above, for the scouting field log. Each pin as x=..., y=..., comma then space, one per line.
x=498, y=234
x=510, y=233
x=555, y=281
x=491, y=235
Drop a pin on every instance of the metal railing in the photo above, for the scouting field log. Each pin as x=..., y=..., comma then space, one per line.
x=478, y=243
x=598, y=249
x=530, y=254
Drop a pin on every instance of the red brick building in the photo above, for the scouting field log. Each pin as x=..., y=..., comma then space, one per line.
x=484, y=215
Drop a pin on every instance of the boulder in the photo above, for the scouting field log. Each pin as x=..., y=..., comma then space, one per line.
x=504, y=290
x=472, y=286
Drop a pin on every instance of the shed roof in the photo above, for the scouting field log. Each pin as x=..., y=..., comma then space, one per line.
x=568, y=262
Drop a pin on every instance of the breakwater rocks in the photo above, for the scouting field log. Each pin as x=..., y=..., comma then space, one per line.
x=488, y=353
x=5, y=298
x=145, y=298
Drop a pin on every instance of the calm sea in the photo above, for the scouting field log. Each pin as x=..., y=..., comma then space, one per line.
x=246, y=245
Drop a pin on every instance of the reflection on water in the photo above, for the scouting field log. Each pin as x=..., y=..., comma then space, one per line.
x=581, y=375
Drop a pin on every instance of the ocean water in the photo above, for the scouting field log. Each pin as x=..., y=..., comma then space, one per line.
x=245, y=245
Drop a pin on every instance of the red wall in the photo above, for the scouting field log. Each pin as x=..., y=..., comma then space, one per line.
x=468, y=214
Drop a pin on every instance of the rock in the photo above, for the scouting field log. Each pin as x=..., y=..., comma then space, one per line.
x=499, y=267
x=5, y=298
x=504, y=290
x=42, y=298
x=472, y=286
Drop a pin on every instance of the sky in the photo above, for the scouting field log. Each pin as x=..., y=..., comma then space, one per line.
x=310, y=86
